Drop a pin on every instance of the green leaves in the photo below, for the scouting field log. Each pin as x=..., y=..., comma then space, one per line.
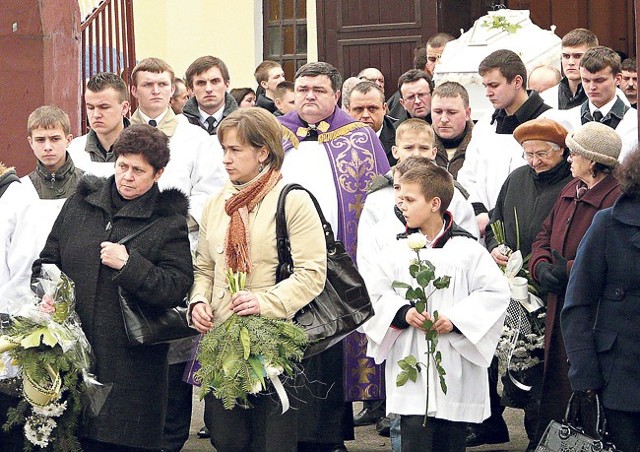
x=410, y=368
x=442, y=282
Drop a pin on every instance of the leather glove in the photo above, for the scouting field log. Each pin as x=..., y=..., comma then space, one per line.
x=560, y=267
x=548, y=282
x=587, y=407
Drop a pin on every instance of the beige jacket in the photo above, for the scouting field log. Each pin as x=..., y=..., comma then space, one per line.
x=308, y=251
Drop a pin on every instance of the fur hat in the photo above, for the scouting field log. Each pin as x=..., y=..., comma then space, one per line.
x=596, y=141
x=541, y=129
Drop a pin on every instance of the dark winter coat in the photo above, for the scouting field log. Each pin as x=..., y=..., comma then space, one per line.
x=190, y=110
x=532, y=196
x=603, y=349
x=388, y=138
x=158, y=273
x=7, y=176
x=456, y=162
x=562, y=231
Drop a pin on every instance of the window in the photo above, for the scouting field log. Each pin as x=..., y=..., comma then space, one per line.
x=285, y=34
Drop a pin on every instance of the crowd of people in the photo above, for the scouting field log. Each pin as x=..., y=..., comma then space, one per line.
x=552, y=172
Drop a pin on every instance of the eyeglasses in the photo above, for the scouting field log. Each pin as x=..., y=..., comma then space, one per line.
x=529, y=156
x=575, y=56
x=413, y=97
x=434, y=58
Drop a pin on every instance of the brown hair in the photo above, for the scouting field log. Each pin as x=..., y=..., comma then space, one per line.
x=154, y=65
x=48, y=117
x=105, y=80
x=452, y=90
x=598, y=58
x=433, y=180
x=258, y=128
x=507, y=62
x=413, y=75
x=579, y=37
x=262, y=71
x=203, y=64
x=145, y=140
x=282, y=89
x=240, y=93
x=439, y=40
x=629, y=65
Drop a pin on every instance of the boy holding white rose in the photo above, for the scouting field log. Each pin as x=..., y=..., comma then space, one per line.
x=470, y=295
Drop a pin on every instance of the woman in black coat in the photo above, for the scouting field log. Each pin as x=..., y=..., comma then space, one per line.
x=601, y=310
x=155, y=268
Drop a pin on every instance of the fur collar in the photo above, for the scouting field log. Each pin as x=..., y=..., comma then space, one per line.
x=169, y=202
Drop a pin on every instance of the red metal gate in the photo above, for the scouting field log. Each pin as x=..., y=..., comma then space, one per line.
x=108, y=44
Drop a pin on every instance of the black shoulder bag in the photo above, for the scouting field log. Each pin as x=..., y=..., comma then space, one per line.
x=344, y=303
x=146, y=325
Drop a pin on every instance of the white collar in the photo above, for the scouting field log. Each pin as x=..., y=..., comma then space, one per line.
x=217, y=115
x=605, y=108
x=158, y=119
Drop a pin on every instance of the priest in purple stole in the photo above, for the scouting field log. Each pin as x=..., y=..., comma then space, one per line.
x=335, y=157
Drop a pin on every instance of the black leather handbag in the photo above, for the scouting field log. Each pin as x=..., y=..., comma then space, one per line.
x=344, y=303
x=573, y=435
x=146, y=325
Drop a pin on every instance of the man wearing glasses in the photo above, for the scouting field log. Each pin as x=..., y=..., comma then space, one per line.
x=415, y=88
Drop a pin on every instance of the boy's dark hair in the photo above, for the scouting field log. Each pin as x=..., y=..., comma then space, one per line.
x=282, y=89
x=262, y=71
x=434, y=181
x=104, y=80
x=598, y=58
x=579, y=37
x=507, y=62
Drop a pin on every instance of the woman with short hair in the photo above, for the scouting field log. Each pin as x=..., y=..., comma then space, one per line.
x=153, y=269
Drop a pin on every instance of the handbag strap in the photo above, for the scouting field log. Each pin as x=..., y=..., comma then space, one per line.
x=283, y=244
x=574, y=418
x=137, y=233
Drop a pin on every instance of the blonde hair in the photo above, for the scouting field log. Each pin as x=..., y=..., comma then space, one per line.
x=416, y=126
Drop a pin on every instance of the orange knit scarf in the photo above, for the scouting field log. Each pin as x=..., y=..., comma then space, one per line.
x=238, y=207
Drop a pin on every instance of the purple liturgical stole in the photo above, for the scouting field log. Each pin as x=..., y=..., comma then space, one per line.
x=356, y=156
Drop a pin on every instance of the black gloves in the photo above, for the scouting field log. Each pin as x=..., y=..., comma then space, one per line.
x=553, y=277
x=548, y=282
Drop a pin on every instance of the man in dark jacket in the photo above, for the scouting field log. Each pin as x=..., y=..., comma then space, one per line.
x=452, y=125
x=208, y=80
x=415, y=87
x=268, y=74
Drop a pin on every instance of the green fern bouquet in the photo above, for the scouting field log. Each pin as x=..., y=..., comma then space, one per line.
x=240, y=357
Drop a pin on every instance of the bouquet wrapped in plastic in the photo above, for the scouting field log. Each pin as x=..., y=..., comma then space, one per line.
x=46, y=354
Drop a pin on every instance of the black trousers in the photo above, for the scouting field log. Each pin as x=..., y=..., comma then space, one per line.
x=262, y=428
x=438, y=435
x=179, y=401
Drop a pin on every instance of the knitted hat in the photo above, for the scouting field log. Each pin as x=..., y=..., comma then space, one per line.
x=541, y=129
x=596, y=141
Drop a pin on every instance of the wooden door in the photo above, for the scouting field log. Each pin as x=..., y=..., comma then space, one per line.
x=355, y=34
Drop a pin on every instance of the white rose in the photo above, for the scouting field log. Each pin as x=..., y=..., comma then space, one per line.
x=416, y=241
x=273, y=371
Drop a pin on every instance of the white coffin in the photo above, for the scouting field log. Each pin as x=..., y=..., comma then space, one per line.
x=461, y=57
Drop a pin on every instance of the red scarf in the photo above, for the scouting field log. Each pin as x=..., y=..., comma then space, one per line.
x=238, y=207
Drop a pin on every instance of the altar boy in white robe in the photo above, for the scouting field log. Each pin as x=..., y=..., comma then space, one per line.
x=471, y=314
